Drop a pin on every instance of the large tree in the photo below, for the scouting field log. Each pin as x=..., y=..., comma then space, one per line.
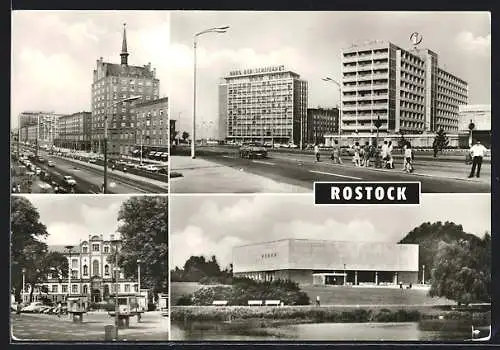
x=462, y=271
x=25, y=245
x=144, y=232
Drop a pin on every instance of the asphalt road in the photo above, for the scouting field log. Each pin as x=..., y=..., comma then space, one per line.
x=301, y=170
x=90, y=179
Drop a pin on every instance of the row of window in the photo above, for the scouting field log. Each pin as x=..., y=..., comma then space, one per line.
x=411, y=78
x=451, y=80
x=85, y=288
x=413, y=69
x=125, y=81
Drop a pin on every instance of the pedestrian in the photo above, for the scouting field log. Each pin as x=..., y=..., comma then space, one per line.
x=336, y=153
x=59, y=309
x=477, y=152
x=316, y=152
x=317, y=301
x=361, y=156
x=384, y=154
x=367, y=154
x=390, y=159
x=14, y=189
x=355, y=158
x=408, y=159
x=18, y=188
x=435, y=148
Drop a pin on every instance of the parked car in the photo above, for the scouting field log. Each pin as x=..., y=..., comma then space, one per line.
x=68, y=180
x=253, y=150
x=50, y=163
x=33, y=307
x=150, y=167
x=38, y=171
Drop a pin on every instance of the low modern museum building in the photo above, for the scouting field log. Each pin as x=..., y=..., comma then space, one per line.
x=328, y=262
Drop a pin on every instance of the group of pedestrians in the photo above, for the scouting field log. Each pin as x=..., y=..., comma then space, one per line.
x=383, y=156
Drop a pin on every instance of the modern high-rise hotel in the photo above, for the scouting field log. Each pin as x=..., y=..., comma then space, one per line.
x=267, y=105
x=408, y=90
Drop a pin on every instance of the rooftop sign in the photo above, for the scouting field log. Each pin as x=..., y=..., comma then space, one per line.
x=258, y=70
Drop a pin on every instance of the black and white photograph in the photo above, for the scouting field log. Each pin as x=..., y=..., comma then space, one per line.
x=276, y=267
x=89, y=268
x=274, y=101
x=89, y=110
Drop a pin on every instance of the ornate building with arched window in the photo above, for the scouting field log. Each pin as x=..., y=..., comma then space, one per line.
x=91, y=264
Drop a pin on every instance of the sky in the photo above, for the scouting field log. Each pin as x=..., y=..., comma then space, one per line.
x=54, y=54
x=310, y=44
x=212, y=225
x=70, y=219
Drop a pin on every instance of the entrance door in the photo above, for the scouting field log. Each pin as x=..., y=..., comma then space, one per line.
x=96, y=296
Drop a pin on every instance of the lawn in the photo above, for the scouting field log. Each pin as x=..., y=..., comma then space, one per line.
x=331, y=295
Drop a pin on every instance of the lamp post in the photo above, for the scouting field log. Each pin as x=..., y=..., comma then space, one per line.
x=345, y=276
x=219, y=30
x=70, y=249
x=139, y=277
x=24, y=284
x=423, y=274
x=116, y=243
x=129, y=99
x=340, y=102
x=471, y=127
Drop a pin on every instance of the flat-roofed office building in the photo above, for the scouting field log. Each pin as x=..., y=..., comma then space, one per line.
x=263, y=105
x=328, y=262
x=407, y=89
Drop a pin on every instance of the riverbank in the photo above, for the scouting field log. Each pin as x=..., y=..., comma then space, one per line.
x=268, y=316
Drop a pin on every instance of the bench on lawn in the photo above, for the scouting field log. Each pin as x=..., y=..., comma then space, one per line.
x=219, y=303
x=254, y=302
x=77, y=316
x=273, y=302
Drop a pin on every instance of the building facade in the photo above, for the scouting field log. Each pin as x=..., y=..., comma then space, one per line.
x=263, y=105
x=406, y=89
x=480, y=116
x=328, y=262
x=74, y=131
x=321, y=122
x=152, y=125
x=39, y=128
x=91, y=269
x=112, y=84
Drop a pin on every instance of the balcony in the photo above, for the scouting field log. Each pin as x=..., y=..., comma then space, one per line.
x=349, y=88
x=380, y=105
x=349, y=78
x=351, y=58
x=377, y=56
x=349, y=68
x=349, y=98
x=365, y=98
x=381, y=75
x=347, y=108
x=365, y=107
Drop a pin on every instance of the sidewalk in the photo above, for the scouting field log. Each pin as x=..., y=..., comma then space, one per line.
x=455, y=171
x=120, y=173
x=202, y=176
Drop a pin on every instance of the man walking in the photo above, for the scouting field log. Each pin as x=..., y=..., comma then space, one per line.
x=336, y=153
x=477, y=153
x=316, y=152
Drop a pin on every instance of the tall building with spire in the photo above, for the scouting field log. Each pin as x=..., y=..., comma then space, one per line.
x=113, y=83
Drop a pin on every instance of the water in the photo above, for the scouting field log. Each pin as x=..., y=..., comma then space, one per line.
x=443, y=330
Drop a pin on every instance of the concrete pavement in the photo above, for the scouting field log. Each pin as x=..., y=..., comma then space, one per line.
x=41, y=327
x=204, y=176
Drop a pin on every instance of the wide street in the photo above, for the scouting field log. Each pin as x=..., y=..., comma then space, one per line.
x=89, y=177
x=448, y=174
x=42, y=327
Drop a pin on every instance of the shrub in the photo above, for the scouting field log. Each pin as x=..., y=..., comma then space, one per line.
x=185, y=300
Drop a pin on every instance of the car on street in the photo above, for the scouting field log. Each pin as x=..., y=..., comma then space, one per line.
x=152, y=168
x=68, y=180
x=41, y=159
x=33, y=307
x=253, y=150
x=38, y=171
x=50, y=163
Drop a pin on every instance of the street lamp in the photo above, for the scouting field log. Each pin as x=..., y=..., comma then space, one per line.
x=129, y=99
x=345, y=276
x=423, y=274
x=24, y=284
x=139, y=276
x=471, y=127
x=116, y=243
x=219, y=30
x=340, y=102
x=69, y=248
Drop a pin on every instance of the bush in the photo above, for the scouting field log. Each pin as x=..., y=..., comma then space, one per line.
x=185, y=300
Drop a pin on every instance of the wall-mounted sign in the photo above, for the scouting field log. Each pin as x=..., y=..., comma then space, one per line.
x=258, y=70
x=416, y=38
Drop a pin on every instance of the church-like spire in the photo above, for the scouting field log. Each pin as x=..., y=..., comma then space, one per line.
x=124, y=53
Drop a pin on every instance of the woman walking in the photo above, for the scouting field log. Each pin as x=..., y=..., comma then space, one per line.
x=408, y=159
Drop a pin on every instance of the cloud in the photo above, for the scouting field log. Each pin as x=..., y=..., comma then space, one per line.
x=194, y=242
x=476, y=44
x=65, y=233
